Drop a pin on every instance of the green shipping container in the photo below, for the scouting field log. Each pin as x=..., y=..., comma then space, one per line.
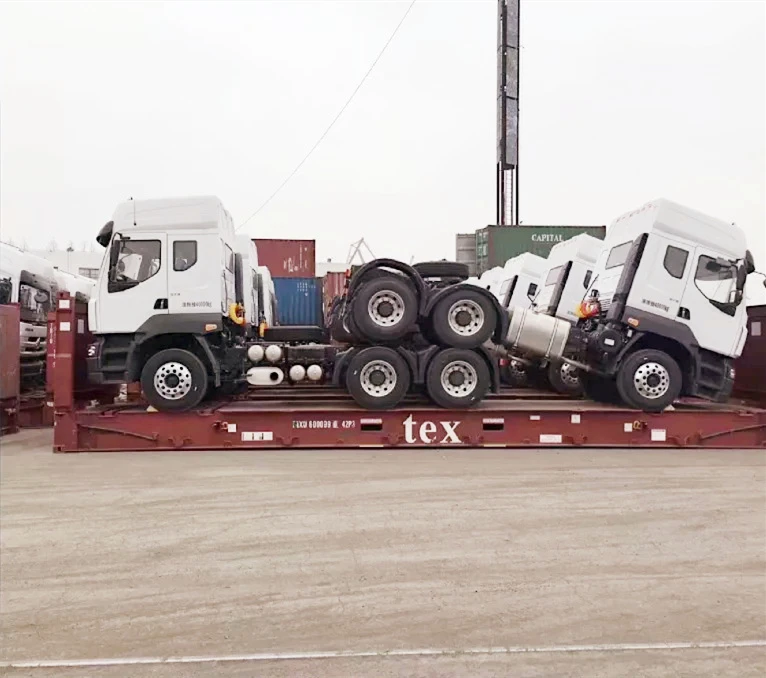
x=496, y=244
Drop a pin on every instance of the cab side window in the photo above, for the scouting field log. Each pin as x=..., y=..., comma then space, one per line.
x=618, y=255
x=717, y=283
x=184, y=254
x=675, y=261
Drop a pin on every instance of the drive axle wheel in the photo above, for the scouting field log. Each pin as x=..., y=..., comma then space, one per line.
x=174, y=380
x=384, y=309
x=463, y=319
x=377, y=378
x=457, y=378
x=600, y=389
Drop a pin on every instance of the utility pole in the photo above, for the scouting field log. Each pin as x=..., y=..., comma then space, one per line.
x=508, y=53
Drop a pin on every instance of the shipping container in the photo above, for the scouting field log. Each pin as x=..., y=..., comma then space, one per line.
x=465, y=251
x=750, y=380
x=287, y=258
x=299, y=301
x=10, y=351
x=333, y=285
x=496, y=244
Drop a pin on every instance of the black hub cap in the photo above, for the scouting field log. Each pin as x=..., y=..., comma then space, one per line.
x=377, y=378
x=172, y=380
x=463, y=318
x=385, y=309
x=456, y=378
x=653, y=381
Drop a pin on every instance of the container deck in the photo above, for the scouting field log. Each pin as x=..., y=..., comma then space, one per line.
x=310, y=417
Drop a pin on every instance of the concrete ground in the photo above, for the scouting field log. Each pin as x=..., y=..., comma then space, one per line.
x=230, y=553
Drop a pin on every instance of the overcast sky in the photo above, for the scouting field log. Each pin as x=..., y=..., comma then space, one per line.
x=621, y=102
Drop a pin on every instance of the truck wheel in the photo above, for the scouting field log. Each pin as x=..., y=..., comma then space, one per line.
x=174, y=380
x=457, y=378
x=384, y=309
x=649, y=380
x=600, y=389
x=464, y=319
x=514, y=374
x=564, y=378
x=377, y=378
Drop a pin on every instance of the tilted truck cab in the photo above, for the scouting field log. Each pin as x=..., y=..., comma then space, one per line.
x=521, y=281
x=664, y=314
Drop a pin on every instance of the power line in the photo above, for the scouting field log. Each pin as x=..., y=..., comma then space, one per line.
x=335, y=119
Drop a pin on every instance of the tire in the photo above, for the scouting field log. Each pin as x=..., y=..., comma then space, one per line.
x=600, y=389
x=564, y=378
x=174, y=380
x=442, y=375
x=649, y=380
x=465, y=318
x=514, y=375
x=383, y=309
x=442, y=269
x=377, y=378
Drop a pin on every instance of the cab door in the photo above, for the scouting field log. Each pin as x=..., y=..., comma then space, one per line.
x=133, y=286
x=193, y=273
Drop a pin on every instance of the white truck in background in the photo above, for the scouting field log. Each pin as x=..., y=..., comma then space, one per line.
x=569, y=268
x=78, y=286
x=521, y=281
x=30, y=282
x=663, y=316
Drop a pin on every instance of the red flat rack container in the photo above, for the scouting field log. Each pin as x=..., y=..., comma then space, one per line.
x=287, y=258
x=316, y=416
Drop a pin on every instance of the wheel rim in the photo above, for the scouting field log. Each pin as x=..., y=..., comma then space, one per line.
x=465, y=317
x=172, y=380
x=386, y=308
x=651, y=380
x=569, y=375
x=378, y=378
x=459, y=379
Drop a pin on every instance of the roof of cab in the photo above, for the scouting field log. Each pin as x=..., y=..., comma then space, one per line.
x=527, y=263
x=582, y=247
x=197, y=212
x=678, y=223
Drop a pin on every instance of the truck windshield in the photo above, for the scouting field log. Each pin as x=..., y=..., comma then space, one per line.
x=34, y=304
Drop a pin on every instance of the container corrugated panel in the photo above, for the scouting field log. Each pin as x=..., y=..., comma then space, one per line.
x=333, y=285
x=299, y=301
x=465, y=251
x=287, y=258
x=750, y=378
x=10, y=349
x=496, y=244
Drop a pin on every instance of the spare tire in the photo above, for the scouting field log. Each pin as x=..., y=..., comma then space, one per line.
x=442, y=269
x=383, y=309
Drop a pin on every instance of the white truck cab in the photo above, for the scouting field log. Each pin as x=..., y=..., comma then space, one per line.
x=664, y=315
x=30, y=282
x=522, y=278
x=568, y=274
x=164, y=308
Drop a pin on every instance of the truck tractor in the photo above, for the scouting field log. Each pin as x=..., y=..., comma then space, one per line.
x=520, y=285
x=569, y=268
x=170, y=310
x=663, y=315
x=30, y=282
